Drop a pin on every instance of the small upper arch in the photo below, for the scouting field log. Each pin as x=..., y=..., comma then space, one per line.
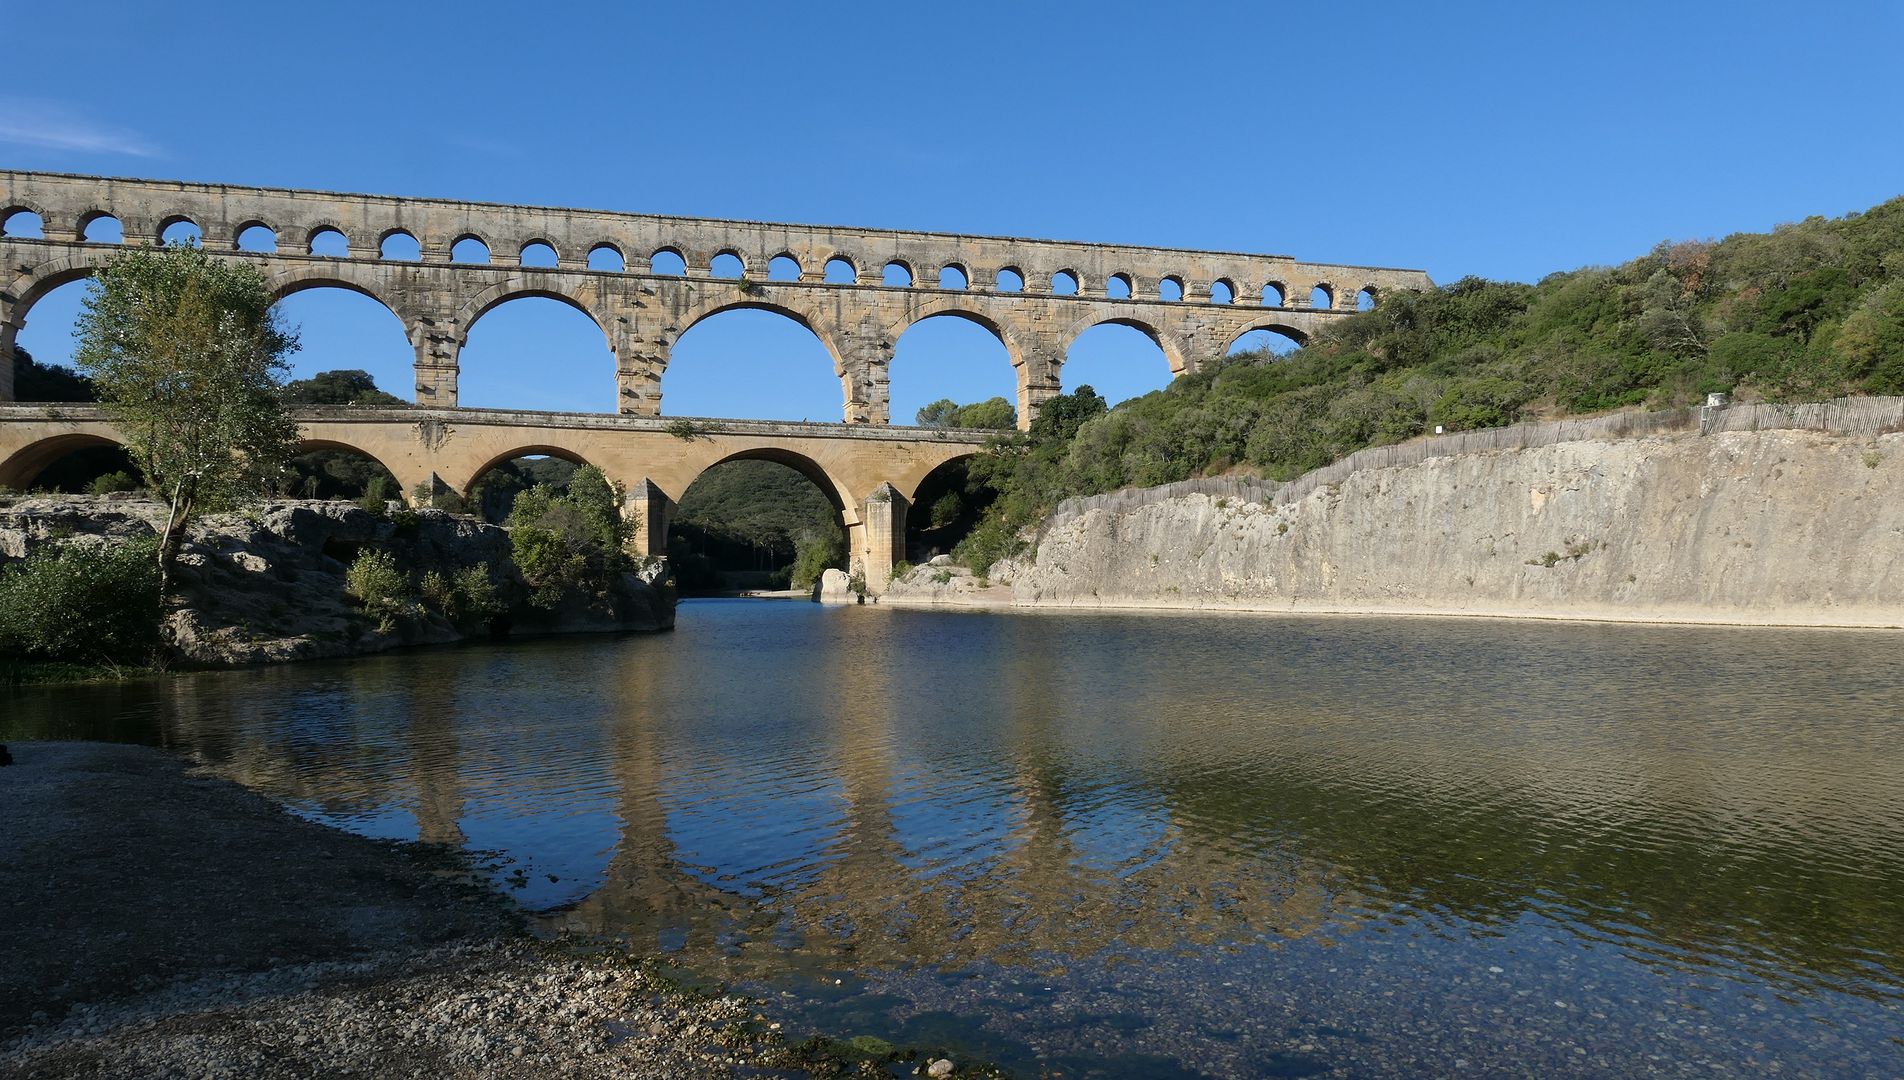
x=471, y=249
x=179, y=229
x=668, y=261
x=727, y=263
x=1118, y=286
x=1366, y=298
x=1322, y=295
x=1222, y=291
x=22, y=221
x=954, y=276
x=1009, y=279
x=537, y=254
x=1273, y=294
x=840, y=270
x=1065, y=283
x=327, y=239
x=1170, y=287
x=607, y=257
x=100, y=227
x=897, y=272
x=784, y=267
x=254, y=235
x=399, y=245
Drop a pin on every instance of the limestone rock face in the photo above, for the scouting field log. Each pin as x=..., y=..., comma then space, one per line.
x=832, y=588
x=1781, y=527
x=941, y=583
x=268, y=584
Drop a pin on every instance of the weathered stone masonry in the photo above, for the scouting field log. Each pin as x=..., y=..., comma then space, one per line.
x=642, y=313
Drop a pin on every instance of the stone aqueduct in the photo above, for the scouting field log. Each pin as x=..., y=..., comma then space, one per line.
x=1035, y=296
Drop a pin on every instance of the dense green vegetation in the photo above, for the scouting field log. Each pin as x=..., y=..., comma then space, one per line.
x=755, y=522
x=82, y=604
x=995, y=414
x=569, y=541
x=34, y=381
x=347, y=386
x=1808, y=311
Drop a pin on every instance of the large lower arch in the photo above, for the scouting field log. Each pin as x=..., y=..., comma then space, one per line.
x=25, y=465
x=307, y=447
x=835, y=491
x=526, y=451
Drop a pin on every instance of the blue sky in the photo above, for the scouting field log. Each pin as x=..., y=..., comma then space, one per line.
x=1506, y=140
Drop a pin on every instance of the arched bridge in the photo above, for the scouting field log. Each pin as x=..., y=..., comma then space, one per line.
x=869, y=473
x=646, y=279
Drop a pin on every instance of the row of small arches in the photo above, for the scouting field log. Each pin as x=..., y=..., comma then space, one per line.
x=399, y=245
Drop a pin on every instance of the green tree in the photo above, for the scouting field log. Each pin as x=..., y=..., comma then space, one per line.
x=188, y=357
x=344, y=387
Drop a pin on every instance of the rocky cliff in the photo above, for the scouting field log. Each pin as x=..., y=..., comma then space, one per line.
x=1776, y=527
x=269, y=584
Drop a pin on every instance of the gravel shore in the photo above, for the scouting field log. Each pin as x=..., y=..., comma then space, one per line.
x=164, y=923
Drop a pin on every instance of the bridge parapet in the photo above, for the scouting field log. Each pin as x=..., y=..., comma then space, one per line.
x=642, y=310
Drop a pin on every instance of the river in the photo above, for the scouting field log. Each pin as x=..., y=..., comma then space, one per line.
x=1157, y=845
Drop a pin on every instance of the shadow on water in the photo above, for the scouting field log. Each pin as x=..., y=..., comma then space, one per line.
x=1151, y=845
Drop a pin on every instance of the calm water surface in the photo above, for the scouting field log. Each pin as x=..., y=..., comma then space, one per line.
x=1156, y=846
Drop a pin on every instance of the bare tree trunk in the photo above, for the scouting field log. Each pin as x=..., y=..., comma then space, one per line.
x=169, y=538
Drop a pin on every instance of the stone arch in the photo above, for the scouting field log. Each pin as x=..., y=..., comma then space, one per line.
x=24, y=465
x=527, y=450
x=613, y=249
x=709, y=303
x=32, y=284
x=176, y=218
x=716, y=302
x=319, y=228
x=1135, y=319
x=353, y=277
x=1274, y=326
x=517, y=286
x=245, y=226
x=12, y=210
x=526, y=251
x=320, y=445
x=489, y=253
x=837, y=492
x=92, y=216
x=963, y=308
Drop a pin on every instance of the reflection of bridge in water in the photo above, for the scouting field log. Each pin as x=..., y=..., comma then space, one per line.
x=860, y=822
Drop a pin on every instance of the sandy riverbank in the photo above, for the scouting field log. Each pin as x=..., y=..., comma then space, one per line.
x=165, y=923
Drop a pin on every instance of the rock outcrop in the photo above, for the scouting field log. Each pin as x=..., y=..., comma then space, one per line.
x=269, y=584
x=1773, y=527
x=834, y=587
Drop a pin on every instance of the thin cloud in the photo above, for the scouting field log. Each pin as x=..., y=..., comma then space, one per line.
x=55, y=127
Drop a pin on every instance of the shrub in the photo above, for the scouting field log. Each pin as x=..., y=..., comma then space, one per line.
x=376, y=496
x=379, y=587
x=569, y=541
x=814, y=555
x=118, y=480
x=476, y=598
x=83, y=604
